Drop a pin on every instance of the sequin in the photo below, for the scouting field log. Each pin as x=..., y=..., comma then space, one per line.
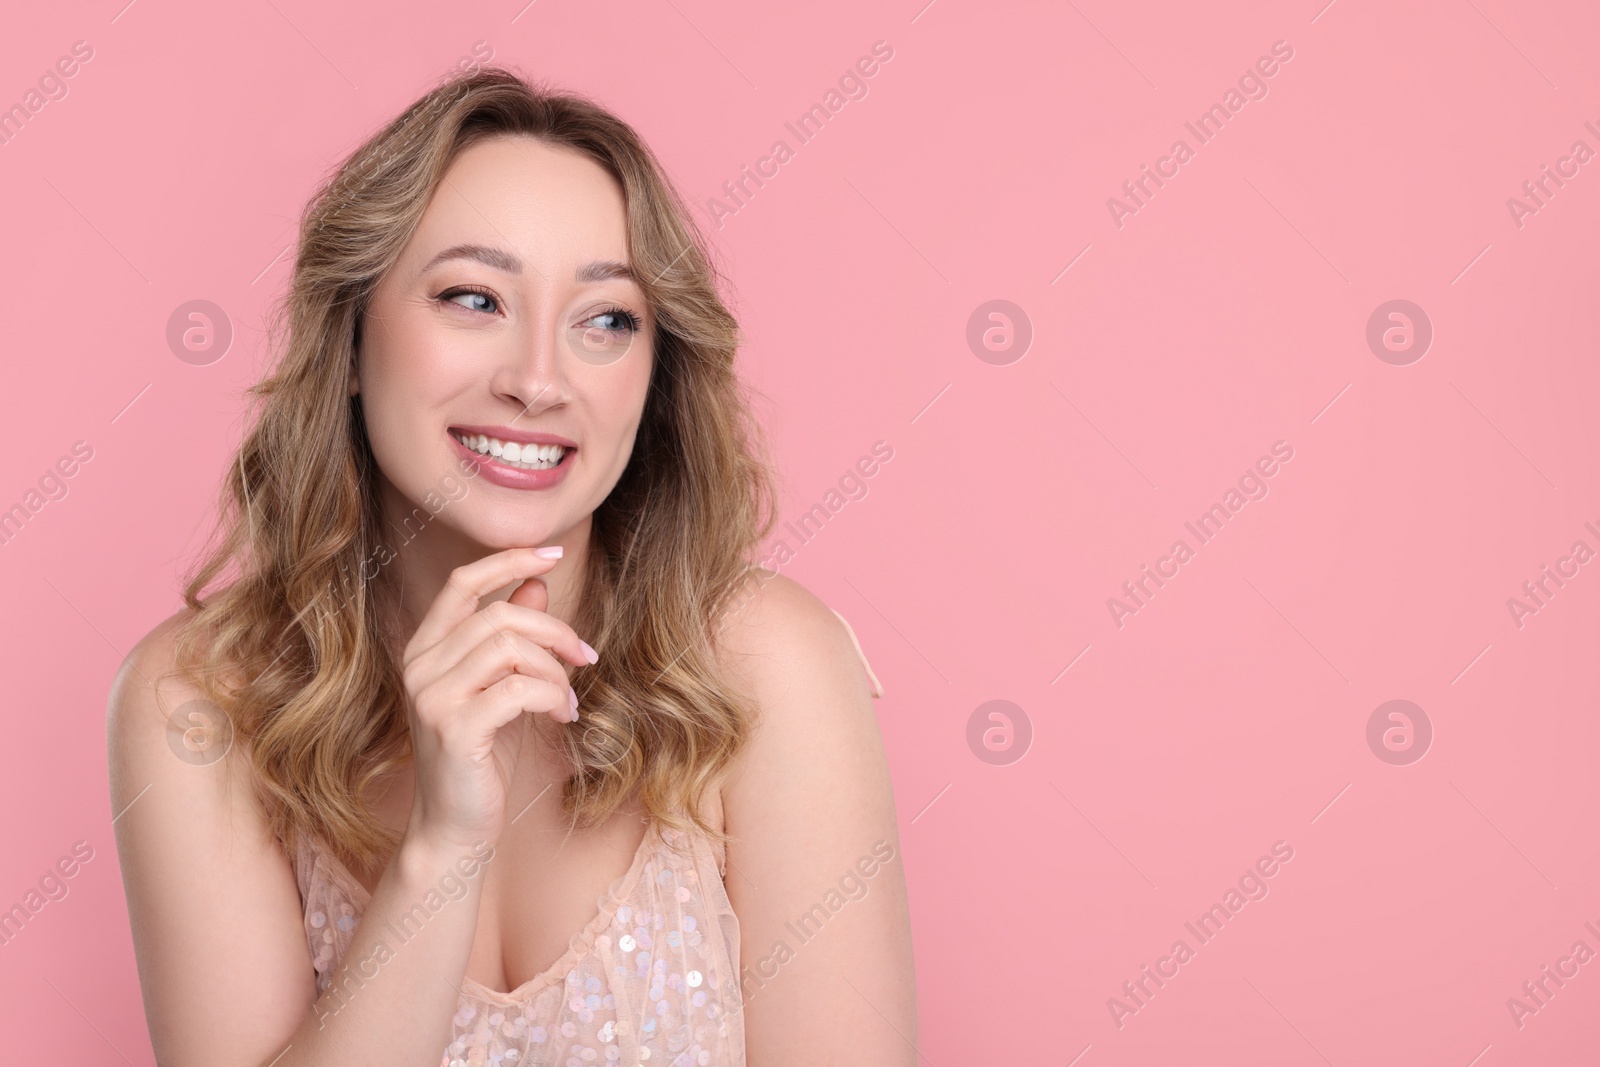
x=632, y=987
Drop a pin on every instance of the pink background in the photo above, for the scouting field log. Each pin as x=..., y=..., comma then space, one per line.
x=1229, y=313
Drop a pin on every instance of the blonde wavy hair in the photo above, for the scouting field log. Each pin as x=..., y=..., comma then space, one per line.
x=316, y=696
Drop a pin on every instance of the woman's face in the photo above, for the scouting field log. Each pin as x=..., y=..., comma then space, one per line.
x=534, y=337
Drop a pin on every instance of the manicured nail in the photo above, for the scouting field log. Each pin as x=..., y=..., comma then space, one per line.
x=574, y=694
x=548, y=552
x=594, y=657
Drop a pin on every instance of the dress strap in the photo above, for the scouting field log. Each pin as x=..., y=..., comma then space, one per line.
x=714, y=812
x=877, y=687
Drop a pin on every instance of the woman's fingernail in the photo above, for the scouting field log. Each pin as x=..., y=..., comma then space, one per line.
x=548, y=552
x=574, y=694
x=594, y=657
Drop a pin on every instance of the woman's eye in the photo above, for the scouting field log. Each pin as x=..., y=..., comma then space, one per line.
x=606, y=335
x=616, y=320
x=478, y=298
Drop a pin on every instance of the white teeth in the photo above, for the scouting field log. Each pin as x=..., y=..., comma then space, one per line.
x=514, y=454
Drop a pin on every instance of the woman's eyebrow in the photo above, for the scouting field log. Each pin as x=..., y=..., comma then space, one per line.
x=491, y=257
x=603, y=270
x=598, y=271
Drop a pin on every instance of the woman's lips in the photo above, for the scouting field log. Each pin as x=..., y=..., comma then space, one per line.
x=493, y=470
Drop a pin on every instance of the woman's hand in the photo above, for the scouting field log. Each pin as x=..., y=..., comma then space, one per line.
x=470, y=675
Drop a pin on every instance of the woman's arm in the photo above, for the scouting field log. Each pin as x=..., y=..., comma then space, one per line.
x=815, y=871
x=216, y=914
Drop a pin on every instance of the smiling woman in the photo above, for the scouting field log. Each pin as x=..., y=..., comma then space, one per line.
x=502, y=283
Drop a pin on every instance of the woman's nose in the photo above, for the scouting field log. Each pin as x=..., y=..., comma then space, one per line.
x=532, y=369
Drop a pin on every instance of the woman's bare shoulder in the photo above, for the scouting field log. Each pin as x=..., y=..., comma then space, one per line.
x=772, y=619
x=775, y=630
x=198, y=856
x=809, y=797
x=160, y=724
x=147, y=680
x=797, y=662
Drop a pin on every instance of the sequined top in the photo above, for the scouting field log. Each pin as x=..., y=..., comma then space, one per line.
x=652, y=979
